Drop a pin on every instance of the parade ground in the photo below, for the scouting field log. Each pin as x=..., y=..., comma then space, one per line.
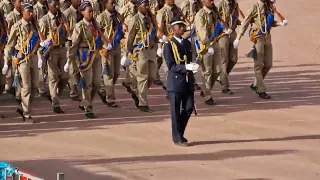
x=242, y=138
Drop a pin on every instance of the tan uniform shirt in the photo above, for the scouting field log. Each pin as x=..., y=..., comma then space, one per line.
x=39, y=10
x=12, y=18
x=128, y=11
x=71, y=15
x=205, y=21
x=253, y=17
x=109, y=22
x=137, y=30
x=80, y=35
x=164, y=16
x=6, y=7
x=226, y=13
x=18, y=36
x=188, y=11
x=49, y=24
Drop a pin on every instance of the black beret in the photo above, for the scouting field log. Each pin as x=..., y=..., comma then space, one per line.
x=84, y=5
x=26, y=6
x=139, y=2
x=177, y=20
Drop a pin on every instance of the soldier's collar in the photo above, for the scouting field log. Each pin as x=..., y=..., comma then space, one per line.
x=16, y=12
x=108, y=12
x=73, y=9
x=24, y=22
x=168, y=6
x=141, y=15
x=207, y=9
x=86, y=22
x=51, y=16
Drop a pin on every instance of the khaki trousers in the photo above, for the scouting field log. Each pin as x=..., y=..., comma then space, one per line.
x=42, y=78
x=263, y=61
x=229, y=58
x=145, y=73
x=29, y=73
x=110, y=79
x=210, y=69
x=58, y=79
x=74, y=75
x=2, y=77
x=92, y=79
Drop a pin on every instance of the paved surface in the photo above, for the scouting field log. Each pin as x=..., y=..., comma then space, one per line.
x=243, y=138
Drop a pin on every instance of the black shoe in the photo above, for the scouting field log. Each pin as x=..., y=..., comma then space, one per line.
x=112, y=104
x=264, y=95
x=90, y=115
x=184, y=139
x=145, y=109
x=158, y=82
x=135, y=99
x=197, y=87
x=75, y=98
x=127, y=87
x=102, y=97
x=201, y=94
x=82, y=108
x=58, y=110
x=253, y=87
x=30, y=120
x=227, y=91
x=210, y=102
x=183, y=144
x=164, y=88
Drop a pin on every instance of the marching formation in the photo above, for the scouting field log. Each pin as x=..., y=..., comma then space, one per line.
x=84, y=44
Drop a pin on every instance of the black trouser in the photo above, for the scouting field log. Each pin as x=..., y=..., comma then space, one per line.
x=181, y=109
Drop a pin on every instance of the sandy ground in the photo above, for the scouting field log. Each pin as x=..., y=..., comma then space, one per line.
x=242, y=138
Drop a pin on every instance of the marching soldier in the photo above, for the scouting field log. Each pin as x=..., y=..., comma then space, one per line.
x=142, y=46
x=110, y=22
x=39, y=10
x=23, y=42
x=12, y=18
x=6, y=7
x=72, y=14
x=164, y=16
x=53, y=26
x=209, y=30
x=228, y=10
x=127, y=12
x=261, y=14
x=85, y=48
x=178, y=56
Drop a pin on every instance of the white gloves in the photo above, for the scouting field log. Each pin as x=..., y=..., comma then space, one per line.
x=159, y=52
x=108, y=47
x=66, y=67
x=236, y=43
x=192, y=67
x=125, y=61
x=210, y=50
x=163, y=39
x=40, y=61
x=44, y=43
x=283, y=23
x=5, y=69
x=229, y=31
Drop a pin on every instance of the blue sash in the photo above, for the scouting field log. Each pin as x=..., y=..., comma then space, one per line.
x=32, y=43
x=118, y=36
x=86, y=56
x=152, y=32
x=217, y=32
x=190, y=33
x=46, y=50
x=3, y=40
x=233, y=19
x=270, y=22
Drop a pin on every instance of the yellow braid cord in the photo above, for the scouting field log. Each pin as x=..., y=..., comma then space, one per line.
x=254, y=33
x=177, y=55
x=23, y=50
x=144, y=39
